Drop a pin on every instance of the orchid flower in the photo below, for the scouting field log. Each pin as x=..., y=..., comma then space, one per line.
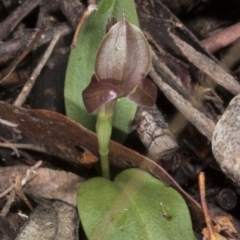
x=122, y=63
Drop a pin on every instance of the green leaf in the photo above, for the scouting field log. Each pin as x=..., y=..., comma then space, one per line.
x=129, y=208
x=81, y=67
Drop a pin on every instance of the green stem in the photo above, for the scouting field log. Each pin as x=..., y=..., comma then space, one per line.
x=104, y=131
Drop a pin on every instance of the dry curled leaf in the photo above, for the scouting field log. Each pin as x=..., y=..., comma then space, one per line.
x=46, y=184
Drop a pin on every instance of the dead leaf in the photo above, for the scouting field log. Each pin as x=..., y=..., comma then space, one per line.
x=47, y=183
x=52, y=132
x=59, y=130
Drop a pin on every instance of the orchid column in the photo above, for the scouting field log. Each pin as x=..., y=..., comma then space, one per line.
x=122, y=63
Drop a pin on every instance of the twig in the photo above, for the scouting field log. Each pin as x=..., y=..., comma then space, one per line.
x=20, y=193
x=208, y=66
x=31, y=171
x=29, y=84
x=23, y=146
x=222, y=39
x=15, y=150
x=9, y=189
x=28, y=159
x=91, y=8
x=7, y=123
x=16, y=16
x=172, y=79
x=23, y=215
x=28, y=176
x=8, y=205
x=168, y=75
x=11, y=48
x=198, y=119
x=72, y=10
x=16, y=61
x=208, y=219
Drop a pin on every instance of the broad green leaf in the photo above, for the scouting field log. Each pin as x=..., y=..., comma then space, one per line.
x=129, y=208
x=81, y=67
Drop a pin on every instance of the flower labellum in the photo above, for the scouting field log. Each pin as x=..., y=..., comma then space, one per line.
x=122, y=63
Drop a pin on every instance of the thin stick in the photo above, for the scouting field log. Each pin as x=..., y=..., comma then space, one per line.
x=208, y=219
x=13, y=146
x=91, y=8
x=16, y=61
x=29, y=175
x=208, y=66
x=8, y=205
x=7, y=123
x=9, y=189
x=30, y=172
x=72, y=10
x=222, y=39
x=14, y=46
x=15, y=150
x=199, y=120
x=15, y=17
x=29, y=84
x=20, y=193
x=168, y=75
x=28, y=159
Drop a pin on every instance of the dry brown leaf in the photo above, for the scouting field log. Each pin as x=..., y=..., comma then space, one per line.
x=47, y=183
x=61, y=130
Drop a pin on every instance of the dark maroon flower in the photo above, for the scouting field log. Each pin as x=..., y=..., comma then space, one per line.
x=122, y=63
